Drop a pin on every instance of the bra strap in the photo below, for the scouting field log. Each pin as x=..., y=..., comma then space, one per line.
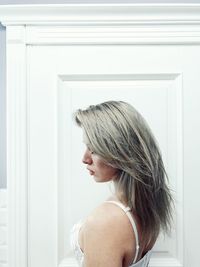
x=127, y=211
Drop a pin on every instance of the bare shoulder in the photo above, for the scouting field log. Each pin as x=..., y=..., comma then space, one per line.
x=106, y=215
x=103, y=237
x=109, y=234
x=110, y=222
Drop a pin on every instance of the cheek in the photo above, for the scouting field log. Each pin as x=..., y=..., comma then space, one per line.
x=106, y=170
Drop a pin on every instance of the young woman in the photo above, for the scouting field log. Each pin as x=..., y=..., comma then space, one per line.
x=120, y=147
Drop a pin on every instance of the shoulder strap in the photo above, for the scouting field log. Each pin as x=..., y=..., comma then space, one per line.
x=127, y=211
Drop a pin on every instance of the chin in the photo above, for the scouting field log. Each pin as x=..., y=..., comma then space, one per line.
x=97, y=180
x=102, y=180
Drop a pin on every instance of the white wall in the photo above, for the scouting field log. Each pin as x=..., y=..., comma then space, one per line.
x=3, y=64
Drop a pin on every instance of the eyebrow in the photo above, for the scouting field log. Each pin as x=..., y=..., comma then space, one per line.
x=85, y=139
x=85, y=143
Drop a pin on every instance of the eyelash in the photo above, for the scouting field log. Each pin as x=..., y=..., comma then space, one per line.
x=92, y=152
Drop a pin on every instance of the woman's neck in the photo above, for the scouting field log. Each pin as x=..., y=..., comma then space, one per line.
x=117, y=197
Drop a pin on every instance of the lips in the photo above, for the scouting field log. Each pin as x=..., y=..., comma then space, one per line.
x=90, y=171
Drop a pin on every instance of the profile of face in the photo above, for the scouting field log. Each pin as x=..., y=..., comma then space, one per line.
x=97, y=167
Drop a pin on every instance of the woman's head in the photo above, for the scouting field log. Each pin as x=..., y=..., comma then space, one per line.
x=98, y=167
x=119, y=135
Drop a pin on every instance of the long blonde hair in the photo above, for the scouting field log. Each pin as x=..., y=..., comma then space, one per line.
x=118, y=133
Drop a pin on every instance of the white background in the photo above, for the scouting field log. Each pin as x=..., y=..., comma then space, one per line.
x=2, y=65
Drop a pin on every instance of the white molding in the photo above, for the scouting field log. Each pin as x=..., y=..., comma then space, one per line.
x=106, y=23
x=106, y=14
x=3, y=227
x=119, y=77
x=180, y=173
x=15, y=34
x=16, y=147
x=121, y=34
x=164, y=262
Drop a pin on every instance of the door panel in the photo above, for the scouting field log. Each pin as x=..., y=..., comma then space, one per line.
x=64, y=78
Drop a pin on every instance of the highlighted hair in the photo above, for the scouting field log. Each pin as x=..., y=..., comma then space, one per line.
x=118, y=133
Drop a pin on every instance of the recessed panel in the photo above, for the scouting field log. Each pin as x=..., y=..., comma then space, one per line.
x=155, y=97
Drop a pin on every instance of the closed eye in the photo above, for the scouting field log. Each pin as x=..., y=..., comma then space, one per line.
x=90, y=150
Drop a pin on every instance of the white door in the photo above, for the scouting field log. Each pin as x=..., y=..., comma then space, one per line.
x=162, y=83
x=64, y=57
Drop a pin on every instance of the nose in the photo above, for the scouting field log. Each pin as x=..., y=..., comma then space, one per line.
x=87, y=159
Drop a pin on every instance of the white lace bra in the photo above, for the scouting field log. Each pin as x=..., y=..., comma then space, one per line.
x=78, y=253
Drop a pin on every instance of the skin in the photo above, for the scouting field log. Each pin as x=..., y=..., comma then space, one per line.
x=101, y=171
x=107, y=238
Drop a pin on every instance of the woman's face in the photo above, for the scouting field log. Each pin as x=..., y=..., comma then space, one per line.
x=97, y=167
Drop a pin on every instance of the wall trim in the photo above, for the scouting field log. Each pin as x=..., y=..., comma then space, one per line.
x=101, y=14
x=3, y=228
x=105, y=23
x=164, y=262
x=16, y=146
